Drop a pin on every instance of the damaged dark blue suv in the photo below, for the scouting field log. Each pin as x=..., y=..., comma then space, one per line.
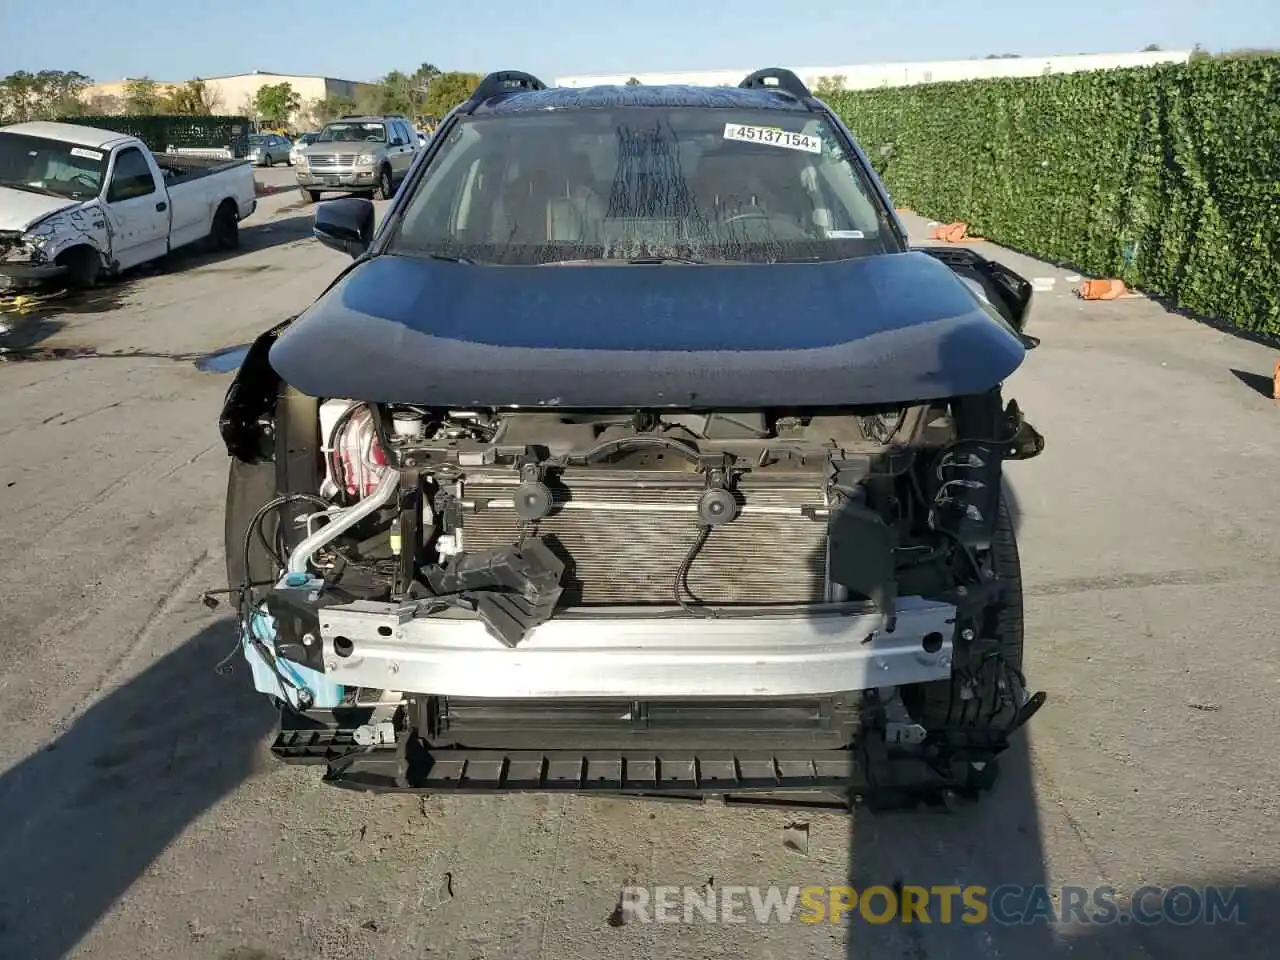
x=637, y=451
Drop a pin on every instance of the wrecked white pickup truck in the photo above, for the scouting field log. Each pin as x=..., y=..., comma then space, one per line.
x=79, y=202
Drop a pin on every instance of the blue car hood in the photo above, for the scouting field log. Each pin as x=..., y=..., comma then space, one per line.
x=882, y=329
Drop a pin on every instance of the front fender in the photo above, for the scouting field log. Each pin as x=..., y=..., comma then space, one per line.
x=246, y=422
x=83, y=226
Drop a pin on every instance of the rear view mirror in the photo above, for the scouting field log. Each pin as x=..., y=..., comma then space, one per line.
x=345, y=225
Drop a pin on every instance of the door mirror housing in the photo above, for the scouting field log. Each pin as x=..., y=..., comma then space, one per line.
x=345, y=225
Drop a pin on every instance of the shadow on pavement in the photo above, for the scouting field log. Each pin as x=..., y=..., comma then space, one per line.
x=253, y=237
x=83, y=819
x=993, y=841
x=1262, y=384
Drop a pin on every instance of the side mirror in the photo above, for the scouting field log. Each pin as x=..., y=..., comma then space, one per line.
x=345, y=225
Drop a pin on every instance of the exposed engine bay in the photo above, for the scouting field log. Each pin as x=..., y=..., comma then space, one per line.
x=648, y=524
x=519, y=514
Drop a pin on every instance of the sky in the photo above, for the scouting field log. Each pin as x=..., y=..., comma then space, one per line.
x=169, y=40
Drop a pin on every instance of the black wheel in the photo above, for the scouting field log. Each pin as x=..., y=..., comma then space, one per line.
x=384, y=190
x=225, y=232
x=84, y=267
x=252, y=485
x=310, y=196
x=249, y=486
x=985, y=703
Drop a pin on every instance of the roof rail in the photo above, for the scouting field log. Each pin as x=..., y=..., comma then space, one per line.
x=783, y=80
x=502, y=81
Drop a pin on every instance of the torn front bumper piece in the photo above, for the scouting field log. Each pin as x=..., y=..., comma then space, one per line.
x=23, y=264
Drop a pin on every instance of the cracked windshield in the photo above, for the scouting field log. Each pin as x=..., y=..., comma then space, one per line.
x=648, y=482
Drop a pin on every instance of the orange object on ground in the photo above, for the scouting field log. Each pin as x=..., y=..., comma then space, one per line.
x=951, y=232
x=1275, y=383
x=1102, y=290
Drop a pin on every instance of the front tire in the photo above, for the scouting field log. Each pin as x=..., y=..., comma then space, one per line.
x=384, y=190
x=249, y=486
x=948, y=703
x=310, y=196
x=84, y=267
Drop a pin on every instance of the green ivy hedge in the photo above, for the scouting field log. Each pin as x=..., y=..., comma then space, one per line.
x=1167, y=177
x=161, y=132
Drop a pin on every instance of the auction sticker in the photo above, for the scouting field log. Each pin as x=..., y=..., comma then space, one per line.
x=85, y=154
x=773, y=136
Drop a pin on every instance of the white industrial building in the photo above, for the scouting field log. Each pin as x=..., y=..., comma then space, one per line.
x=863, y=76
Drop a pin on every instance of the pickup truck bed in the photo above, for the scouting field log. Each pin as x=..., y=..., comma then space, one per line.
x=184, y=167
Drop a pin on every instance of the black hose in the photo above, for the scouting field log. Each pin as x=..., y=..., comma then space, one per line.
x=682, y=574
x=379, y=428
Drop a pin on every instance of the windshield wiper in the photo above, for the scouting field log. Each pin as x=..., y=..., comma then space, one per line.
x=624, y=261
x=647, y=260
x=446, y=257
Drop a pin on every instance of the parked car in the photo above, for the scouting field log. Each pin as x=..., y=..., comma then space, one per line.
x=268, y=149
x=357, y=155
x=652, y=460
x=301, y=141
x=77, y=202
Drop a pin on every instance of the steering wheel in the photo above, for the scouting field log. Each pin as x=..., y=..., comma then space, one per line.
x=86, y=181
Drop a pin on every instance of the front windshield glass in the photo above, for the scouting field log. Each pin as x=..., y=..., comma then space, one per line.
x=642, y=182
x=51, y=167
x=257, y=140
x=349, y=132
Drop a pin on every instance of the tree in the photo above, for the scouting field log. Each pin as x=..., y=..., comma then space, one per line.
x=633, y=82
x=193, y=98
x=275, y=103
x=828, y=85
x=1152, y=48
x=142, y=96
x=397, y=93
x=450, y=89
x=103, y=105
x=49, y=93
x=1003, y=56
x=322, y=111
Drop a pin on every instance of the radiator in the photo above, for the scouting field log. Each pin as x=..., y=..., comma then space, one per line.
x=622, y=538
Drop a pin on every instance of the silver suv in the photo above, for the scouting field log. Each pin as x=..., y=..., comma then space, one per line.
x=357, y=155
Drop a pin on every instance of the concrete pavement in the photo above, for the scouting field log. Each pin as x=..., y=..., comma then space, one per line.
x=140, y=817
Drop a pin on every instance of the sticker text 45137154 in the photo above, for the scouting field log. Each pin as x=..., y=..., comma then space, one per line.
x=773, y=136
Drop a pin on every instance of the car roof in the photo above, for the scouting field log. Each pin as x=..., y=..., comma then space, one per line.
x=68, y=133
x=664, y=95
x=368, y=119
